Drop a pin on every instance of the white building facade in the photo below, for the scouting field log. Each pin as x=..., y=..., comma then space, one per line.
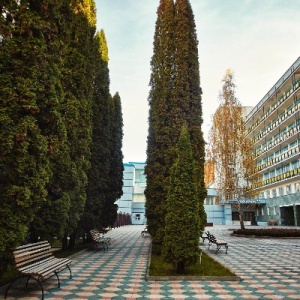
x=274, y=127
x=133, y=200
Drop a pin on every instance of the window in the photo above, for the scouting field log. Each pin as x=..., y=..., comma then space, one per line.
x=293, y=144
x=295, y=165
x=262, y=211
x=286, y=168
x=275, y=210
x=278, y=171
x=268, y=211
x=288, y=189
x=284, y=149
x=262, y=195
x=281, y=191
x=297, y=187
x=274, y=193
x=268, y=194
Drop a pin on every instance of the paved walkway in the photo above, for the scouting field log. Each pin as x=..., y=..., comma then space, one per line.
x=269, y=269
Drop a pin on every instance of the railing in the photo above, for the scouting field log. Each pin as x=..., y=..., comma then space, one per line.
x=277, y=122
x=279, y=83
x=277, y=178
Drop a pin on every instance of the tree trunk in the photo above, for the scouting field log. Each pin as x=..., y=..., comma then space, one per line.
x=64, y=243
x=72, y=241
x=241, y=216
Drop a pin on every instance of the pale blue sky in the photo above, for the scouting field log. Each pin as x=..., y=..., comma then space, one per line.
x=258, y=39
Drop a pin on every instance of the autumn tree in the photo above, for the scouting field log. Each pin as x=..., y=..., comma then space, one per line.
x=231, y=152
x=182, y=221
x=174, y=99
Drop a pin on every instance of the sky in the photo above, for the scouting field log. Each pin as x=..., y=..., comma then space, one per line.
x=258, y=39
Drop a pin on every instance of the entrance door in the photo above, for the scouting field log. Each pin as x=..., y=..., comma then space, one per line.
x=137, y=218
x=287, y=215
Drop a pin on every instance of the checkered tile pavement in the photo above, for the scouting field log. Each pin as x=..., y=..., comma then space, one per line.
x=269, y=269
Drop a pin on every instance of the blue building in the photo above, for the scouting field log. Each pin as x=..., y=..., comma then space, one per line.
x=133, y=199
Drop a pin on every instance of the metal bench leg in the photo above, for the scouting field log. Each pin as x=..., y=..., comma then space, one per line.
x=10, y=286
x=226, y=246
x=58, y=280
x=218, y=248
x=209, y=244
x=70, y=271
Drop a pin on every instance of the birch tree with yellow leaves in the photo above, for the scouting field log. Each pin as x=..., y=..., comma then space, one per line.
x=231, y=151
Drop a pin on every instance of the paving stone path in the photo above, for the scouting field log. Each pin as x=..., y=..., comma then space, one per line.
x=269, y=269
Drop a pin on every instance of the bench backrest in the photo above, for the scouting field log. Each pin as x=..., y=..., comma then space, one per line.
x=212, y=238
x=31, y=253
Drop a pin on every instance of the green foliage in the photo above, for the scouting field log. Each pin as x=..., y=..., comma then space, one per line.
x=115, y=183
x=174, y=99
x=27, y=83
x=50, y=87
x=98, y=176
x=207, y=267
x=182, y=224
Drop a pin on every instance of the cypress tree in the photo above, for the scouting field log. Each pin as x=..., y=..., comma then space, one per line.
x=182, y=224
x=78, y=85
x=29, y=91
x=174, y=99
x=115, y=182
x=160, y=97
x=52, y=216
x=100, y=149
x=188, y=92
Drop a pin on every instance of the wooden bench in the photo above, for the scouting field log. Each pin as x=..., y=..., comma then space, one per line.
x=37, y=261
x=99, y=241
x=213, y=240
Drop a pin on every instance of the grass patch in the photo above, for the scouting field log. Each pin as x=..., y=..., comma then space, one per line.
x=208, y=266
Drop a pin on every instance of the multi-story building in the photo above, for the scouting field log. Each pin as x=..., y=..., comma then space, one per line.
x=133, y=200
x=274, y=127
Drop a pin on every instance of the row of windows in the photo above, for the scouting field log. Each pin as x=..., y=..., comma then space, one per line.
x=273, y=155
x=274, y=106
x=279, y=137
x=294, y=165
x=282, y=191
x=274, y=210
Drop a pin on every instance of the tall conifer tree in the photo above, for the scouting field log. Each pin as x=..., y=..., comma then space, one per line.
x=78, y=83
x=182, y=232
x=158, y=161
x=115, y=182
x=175, y=98
x=188, y=91
x=100, y=148
x=31, y=124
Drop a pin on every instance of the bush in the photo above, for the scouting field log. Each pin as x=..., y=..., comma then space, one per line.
x=270, y=232
x=272, y=222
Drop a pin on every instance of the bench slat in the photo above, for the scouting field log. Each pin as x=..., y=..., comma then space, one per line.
x=37, y=259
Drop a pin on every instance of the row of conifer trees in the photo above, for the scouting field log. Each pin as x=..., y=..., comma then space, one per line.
x=60, y=129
